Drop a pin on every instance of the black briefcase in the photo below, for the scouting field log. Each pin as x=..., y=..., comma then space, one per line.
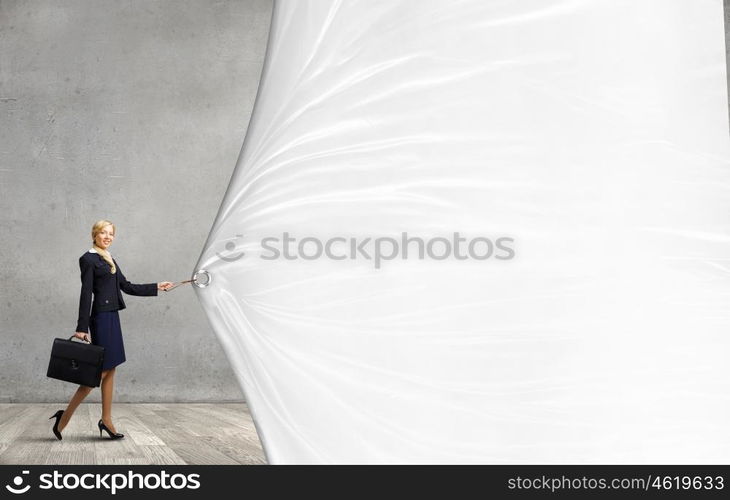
x=76, y=362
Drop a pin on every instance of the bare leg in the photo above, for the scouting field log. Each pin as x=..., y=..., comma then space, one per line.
x=107, y=393
x=76, y=400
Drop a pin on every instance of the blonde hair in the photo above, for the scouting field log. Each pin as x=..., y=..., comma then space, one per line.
x=96, y=229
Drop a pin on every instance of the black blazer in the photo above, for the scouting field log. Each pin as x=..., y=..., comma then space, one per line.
x=97, y=277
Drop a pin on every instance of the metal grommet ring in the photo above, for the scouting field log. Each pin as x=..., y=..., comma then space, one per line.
x=205, y=281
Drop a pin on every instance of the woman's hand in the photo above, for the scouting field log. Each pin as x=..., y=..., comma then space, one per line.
x=82, y=336
x=165, y=285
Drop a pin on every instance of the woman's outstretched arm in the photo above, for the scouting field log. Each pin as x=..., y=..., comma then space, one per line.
x=144, y=290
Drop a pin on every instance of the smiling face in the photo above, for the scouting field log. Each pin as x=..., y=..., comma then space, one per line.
x=104, y=237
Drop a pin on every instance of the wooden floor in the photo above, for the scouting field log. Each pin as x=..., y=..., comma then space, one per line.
x=179, y=433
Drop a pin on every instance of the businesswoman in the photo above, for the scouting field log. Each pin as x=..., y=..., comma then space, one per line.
x=101, y=275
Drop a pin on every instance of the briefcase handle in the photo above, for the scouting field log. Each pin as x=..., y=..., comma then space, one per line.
x=75, y=337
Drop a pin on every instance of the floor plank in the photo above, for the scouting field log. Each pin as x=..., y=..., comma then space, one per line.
x=155, y=433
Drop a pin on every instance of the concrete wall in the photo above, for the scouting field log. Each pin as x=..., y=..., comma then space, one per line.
x=133, y=111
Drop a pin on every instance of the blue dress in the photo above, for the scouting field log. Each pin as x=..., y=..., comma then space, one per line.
x=106, y=331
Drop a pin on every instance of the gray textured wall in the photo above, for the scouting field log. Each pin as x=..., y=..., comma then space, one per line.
x=134, y=111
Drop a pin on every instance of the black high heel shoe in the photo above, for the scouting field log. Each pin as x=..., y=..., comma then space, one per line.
x=57, y=416
x=112, y=435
